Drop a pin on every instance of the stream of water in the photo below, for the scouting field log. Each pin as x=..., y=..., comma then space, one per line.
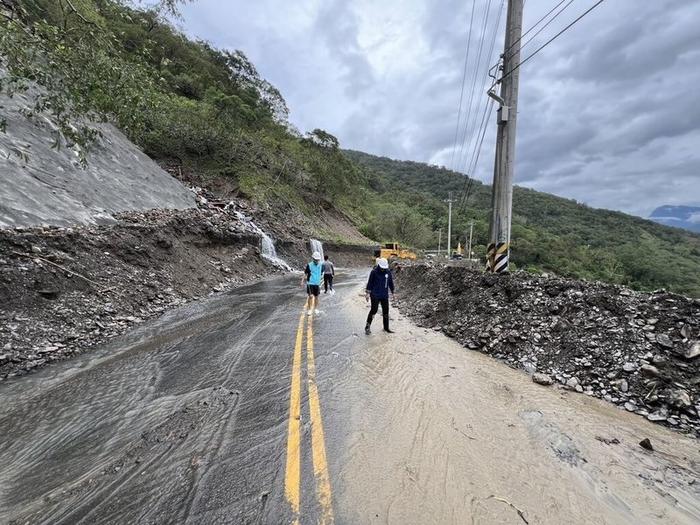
x=267, y=245
x=316, y=246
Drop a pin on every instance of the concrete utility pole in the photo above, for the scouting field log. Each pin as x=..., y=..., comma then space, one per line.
x=449, y=202
x=471, y=231
x=502, y=196
x=439, y=241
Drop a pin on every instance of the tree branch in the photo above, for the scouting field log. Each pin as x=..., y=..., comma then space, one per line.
x=70, y=4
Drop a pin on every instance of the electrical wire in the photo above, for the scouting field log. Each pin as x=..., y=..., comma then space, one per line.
x=535, y=24
x=463, y=205
x=481, y=129
x=484, y=82
x=464, y=77
x=473, y=88
x=546, y=25
x=519, y=64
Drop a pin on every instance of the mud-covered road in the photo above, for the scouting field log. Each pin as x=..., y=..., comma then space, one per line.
x=240, y=409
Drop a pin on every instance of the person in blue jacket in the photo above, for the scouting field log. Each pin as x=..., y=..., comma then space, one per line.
x=380, y=283
x=313, y=273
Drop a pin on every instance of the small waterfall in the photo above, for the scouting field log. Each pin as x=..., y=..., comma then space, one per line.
x=316, y=246
x=267, y=245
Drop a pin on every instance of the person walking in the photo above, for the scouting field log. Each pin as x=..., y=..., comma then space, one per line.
x=379, y=284
x=328, y=274
x=312, y=279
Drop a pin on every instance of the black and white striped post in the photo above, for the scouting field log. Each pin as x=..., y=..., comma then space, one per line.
x=498, y=250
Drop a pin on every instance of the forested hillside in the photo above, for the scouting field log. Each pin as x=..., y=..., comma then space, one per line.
x=205, y=111
x=549, y=233
x=208, y=115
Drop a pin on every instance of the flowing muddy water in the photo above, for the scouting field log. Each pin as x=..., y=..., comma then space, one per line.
x=439, y=434
x=185, y=420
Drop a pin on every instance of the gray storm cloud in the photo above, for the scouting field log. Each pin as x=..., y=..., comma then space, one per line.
x=609, y=112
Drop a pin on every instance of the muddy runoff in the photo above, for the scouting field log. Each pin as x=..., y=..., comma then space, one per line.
x=185, y=420
x=438, y=434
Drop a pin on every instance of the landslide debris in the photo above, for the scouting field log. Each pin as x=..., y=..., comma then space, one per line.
x=64, y=290
x=638, y=350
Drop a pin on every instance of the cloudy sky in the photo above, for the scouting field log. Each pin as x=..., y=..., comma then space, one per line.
x=609, y=113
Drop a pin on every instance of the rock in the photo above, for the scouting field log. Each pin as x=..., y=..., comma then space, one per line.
x=650, y=370
x=629, y=367
x=680, y=399
x=560, y=325
x=692, y=351
x=659, y=360
x=572, y=383
x=49, y=293
x=630, y=406
x=542, y=379
x=664, y=340
x=657, y=416
x=646, y=443
x=621, y=384
x=529, y=367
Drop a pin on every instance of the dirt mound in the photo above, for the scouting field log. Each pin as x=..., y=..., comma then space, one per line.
x=638, y=350
x=63, y=290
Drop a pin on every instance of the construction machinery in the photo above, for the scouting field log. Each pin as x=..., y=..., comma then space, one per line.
x=392, y=250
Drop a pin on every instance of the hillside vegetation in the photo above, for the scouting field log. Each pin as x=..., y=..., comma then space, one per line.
x=206, y=111
x=209, y=114
x=549, y=233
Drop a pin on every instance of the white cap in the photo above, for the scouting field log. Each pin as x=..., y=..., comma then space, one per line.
x=316, y=256
x=383, y=263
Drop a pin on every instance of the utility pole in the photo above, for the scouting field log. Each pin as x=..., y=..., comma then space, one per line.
x=439, y=241
x=449, y=224
x=498, y=250
x=471, y=231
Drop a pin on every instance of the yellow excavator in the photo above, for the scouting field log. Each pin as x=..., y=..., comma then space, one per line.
x=392, y=250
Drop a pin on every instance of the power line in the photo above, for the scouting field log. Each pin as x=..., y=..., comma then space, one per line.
x=546, y=25
x=535, y=24
x=480, y=130
x=517, y=66
x=483, y=126
x=484, y=80
x=473, y=88
x=464, y=76
x=476, y=161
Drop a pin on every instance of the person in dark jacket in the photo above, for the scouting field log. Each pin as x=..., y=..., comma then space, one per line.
x=380, y=283
x=328, y=274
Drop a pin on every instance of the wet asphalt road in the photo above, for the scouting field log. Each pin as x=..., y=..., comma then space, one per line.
x=186, y=419
x=240, y=409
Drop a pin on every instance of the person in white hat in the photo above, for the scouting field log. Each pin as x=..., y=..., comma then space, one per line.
x=380, y=283
x=313, y=273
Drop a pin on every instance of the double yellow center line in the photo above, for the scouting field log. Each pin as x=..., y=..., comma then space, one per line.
x=292, y=477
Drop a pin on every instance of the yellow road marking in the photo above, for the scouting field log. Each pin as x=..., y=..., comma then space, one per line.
x=318, y=442
x=292, y=475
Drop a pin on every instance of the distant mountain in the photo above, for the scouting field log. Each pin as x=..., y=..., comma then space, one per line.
x=686, y=217
x=549, y=233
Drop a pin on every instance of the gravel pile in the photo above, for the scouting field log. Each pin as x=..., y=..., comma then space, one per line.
x=640, y=351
